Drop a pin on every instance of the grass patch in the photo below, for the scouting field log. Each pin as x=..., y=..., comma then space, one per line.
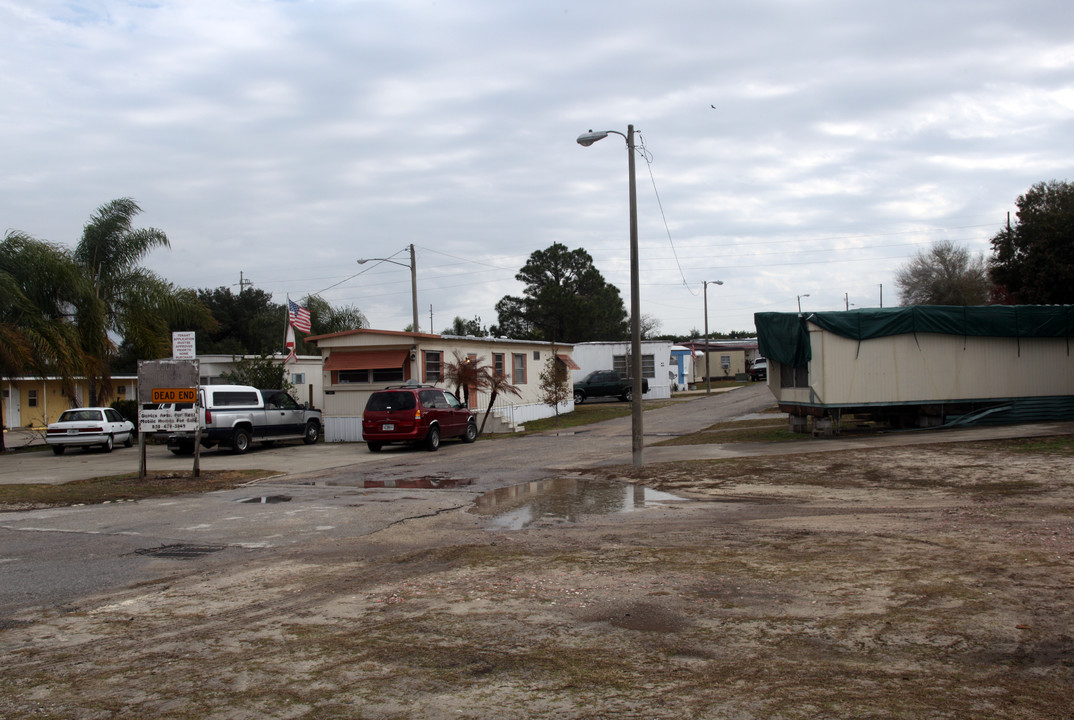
x=118, y=488
x=740, y=431
x=767, y=434
x=1052, y=445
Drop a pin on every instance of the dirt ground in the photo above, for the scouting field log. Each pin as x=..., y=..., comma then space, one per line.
x=925, y=582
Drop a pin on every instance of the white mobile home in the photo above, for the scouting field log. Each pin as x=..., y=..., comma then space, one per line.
x=656, y=365
x=923, y=365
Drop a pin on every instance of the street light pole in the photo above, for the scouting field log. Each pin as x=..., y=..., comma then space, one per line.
x=636, y=434
x=708, y=375
x=800, y=302
x=413, y=279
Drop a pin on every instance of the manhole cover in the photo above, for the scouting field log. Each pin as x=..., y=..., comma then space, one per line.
x=265, y=499
x=180, y=552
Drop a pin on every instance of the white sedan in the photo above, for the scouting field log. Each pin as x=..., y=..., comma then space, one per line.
x=87, y=427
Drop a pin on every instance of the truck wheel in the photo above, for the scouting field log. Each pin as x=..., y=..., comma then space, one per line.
x=375, y=446
x=183, y=449
x=312, y=434
x=579, y=397
x=471, y=432
x=627, y=396
x=432, y=440
x=240, y=441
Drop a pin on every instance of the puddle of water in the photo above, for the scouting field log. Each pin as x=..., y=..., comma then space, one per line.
x=519, y=506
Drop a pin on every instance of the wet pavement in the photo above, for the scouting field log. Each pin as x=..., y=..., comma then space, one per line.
x=564, y=500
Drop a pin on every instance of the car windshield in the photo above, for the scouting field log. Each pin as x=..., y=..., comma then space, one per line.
x=80, y=416
x=383, y=401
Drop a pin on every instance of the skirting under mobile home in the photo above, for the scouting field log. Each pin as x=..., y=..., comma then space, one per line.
x=923, y=365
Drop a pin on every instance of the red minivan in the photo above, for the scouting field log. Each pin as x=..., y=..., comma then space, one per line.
x=418, y=414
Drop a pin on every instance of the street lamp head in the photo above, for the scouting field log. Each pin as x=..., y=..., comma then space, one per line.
x=362, y=262
x=588, y=138
x=716, y=282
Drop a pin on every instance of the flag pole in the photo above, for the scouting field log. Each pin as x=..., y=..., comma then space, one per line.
x=286, y=318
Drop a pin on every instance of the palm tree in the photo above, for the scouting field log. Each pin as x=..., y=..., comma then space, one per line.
x=497, y=384
x=42, y=294
x=465, y=373
x=139, y=305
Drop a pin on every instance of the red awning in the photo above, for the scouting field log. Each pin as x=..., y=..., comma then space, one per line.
x=366, y=359
x=569, y=362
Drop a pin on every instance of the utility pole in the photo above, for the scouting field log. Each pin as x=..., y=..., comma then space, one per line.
x=243, y=283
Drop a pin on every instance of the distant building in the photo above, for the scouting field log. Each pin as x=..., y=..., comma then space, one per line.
x=727, y=359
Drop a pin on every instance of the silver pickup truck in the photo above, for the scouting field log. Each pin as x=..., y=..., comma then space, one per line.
x=237, y=415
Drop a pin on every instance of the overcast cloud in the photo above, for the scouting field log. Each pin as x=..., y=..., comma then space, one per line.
x=285, y=140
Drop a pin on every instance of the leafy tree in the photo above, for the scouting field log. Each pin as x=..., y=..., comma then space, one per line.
x=513, y=322
x=650, y=327
x=139, y=306
x=565, y=299
x=41, y=289
x=249, y=323
x=261, y=372
x=945, y=274
x=554, y=385
x=1033, y=260
x=466, y=328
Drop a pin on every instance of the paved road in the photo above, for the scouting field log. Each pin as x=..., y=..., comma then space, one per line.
x=53, y=557
x=607, y=442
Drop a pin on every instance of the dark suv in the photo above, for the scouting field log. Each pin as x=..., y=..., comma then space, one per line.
x=418, y=414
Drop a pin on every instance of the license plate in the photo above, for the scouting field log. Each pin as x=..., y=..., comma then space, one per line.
x=387, y=426
x=72, y=431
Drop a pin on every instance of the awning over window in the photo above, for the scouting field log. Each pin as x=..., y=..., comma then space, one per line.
x=569, y=362
x=366, y=359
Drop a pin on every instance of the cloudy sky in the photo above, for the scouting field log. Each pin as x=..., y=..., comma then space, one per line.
x=791, y=147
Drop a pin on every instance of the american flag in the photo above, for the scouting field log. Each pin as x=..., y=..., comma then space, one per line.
x=298, y=316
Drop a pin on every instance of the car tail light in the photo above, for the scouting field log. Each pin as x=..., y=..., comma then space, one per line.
x=91, y=430
x=208, y=416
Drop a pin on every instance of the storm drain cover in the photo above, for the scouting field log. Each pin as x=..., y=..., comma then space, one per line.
x=264, y=499
x=180, y=552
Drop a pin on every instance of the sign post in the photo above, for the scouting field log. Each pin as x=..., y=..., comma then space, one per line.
x=164, y=387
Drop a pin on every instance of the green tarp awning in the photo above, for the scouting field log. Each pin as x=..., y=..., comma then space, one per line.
x=784, y=337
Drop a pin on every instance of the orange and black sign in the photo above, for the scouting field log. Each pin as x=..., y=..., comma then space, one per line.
x=175, y=395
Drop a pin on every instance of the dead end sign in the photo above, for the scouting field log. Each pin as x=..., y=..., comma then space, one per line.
x=175, y=395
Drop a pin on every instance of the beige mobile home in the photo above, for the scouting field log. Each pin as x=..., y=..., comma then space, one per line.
x=357, y=362
x=923, y=365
